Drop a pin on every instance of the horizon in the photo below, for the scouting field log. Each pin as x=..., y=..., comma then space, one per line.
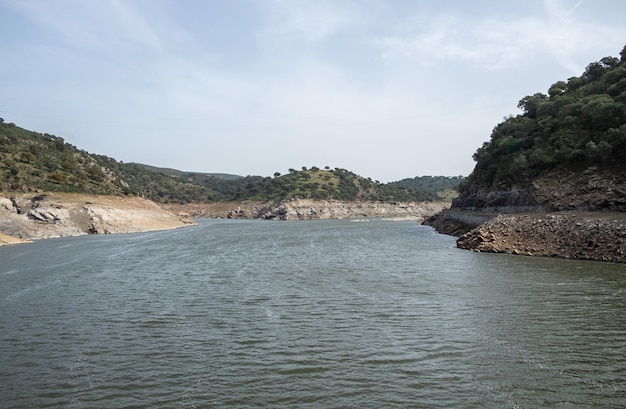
x=296, y=168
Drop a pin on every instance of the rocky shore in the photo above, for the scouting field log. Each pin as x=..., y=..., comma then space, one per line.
x=599, y=236
x=562, y=213
x=27, y=217
x=307, y=209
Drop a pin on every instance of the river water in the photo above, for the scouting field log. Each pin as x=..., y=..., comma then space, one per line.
x=310, y=314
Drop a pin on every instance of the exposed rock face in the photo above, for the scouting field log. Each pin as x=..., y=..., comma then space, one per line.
x=30, y=217
x=526, y=220
x=580, y=235
x=591, y=190
x=497, y=199
x=457, y=222
x=587, y=235
x=307, y=209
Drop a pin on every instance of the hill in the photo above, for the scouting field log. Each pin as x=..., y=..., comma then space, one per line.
x=551, y=181
x=437, y=187
x=322, y=184
x=33, y=161
x=565, y=150
x=187, y=175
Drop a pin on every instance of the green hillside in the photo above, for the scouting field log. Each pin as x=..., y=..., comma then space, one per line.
x=32, y=160
x=35, y=161
x=436, y=187
x=580, y=124
x=316, y=183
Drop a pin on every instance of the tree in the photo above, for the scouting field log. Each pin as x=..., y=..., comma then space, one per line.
x=530, y=104
x=557, y=89
x=593, y=72
x=609, y=62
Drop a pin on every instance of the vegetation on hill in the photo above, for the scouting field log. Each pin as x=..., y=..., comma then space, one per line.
x=187, y=175
x=35, y=161
x=41, y=161
x=436, y=187
x=316, y=183
x=580, y=123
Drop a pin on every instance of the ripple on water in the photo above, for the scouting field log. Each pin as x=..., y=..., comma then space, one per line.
x=308, y=314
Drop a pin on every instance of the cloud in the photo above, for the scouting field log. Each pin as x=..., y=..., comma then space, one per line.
x=488, y=43
x=110, y=24
x=496, y=44
x=306, y=22
x=560, y=9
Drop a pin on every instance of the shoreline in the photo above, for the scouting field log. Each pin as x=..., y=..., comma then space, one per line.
x=25, y=217
x=587, y=235
x=309, y=209
x=584, y=235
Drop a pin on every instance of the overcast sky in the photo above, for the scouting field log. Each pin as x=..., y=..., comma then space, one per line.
x=388, y=89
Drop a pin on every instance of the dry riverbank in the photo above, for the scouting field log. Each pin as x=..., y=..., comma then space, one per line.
x=307, y=209
x=26, y=217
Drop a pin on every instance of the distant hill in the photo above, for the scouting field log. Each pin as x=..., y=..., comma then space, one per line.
x=31, y=161
x=186, y=175
x=437, y=187
x=316, y=183
x=566, y=150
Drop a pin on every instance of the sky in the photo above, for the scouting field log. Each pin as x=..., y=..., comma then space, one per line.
x=388, y=89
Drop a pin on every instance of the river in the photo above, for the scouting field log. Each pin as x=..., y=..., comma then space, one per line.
x=305, y=314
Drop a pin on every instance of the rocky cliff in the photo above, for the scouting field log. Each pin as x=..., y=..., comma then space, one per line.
x=308, y=209
x=568, y=215
x=592, y=189
x=25, y=217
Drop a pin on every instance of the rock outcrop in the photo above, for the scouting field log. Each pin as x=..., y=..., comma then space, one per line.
x=456, y=222
x=561, y=214
x=579, y=235
x=592, y=189
x=308, y=209
x=25, y=217
x=599, y=236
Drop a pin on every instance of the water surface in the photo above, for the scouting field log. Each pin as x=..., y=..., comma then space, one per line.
x=311, y=314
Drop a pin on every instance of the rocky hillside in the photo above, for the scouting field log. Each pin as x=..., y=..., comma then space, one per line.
x=565, y=150
x=551, y=181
